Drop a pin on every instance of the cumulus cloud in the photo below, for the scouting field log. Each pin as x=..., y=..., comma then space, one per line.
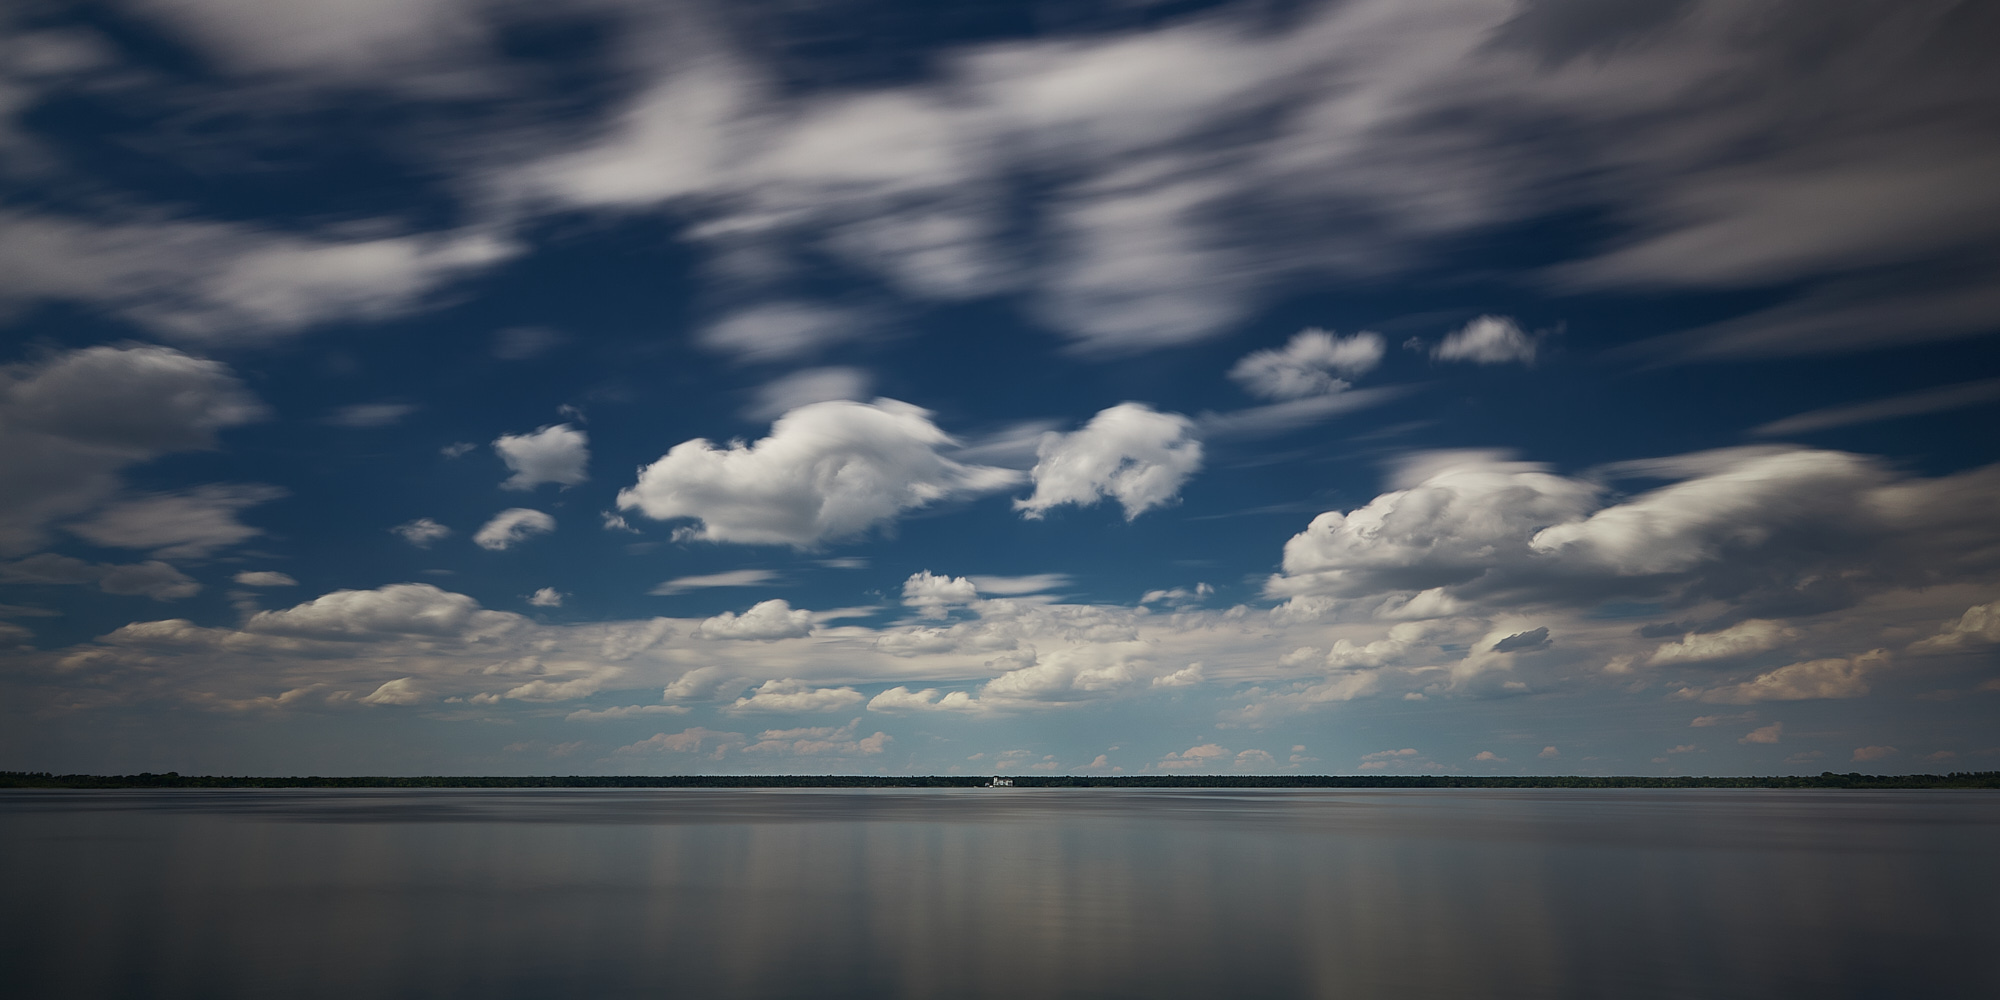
x=1488, y=340
x=547, y=597
x=1130, y=453
x=1307, y=364
x=828, y=471
x=796, y=696
x=1834, y=677
x=1462, y=515
x=1745, y=638
x=553, y=454
x=511, y=527
x=772, y=619
x=422, y=532
x=401, y=691
x=1764, y=734
x=1872, y=753
x=402, y=609
x=265, y=578
x=190, y=524
x=934, y=595
x=1978, y=626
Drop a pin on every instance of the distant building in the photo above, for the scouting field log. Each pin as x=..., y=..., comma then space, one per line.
x=999, y=782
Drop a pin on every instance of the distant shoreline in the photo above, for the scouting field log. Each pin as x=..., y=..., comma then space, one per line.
x=1828, y=779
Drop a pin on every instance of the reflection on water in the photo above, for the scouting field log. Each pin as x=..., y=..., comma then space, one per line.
x=1004, y=893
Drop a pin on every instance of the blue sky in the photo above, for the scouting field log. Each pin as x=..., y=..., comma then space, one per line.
x=454, y=386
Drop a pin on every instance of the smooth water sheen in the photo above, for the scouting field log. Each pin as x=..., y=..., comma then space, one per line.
x=1015, y=893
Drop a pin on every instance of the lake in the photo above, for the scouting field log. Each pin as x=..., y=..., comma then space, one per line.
x=1016, y=893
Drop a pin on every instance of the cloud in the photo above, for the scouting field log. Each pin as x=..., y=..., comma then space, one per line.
x=1745, y=638
x=1488, y=340
x=69, y=424
x=365, y=415
x=1307, y=364
x=401, y=691
x=772, y=619
x=813, y=385
x=1463, y=515
x=1520, y=642
x=691, y=740
x=227, y=282
x=794, y=696
x=1872, y=753
x=1130, y=453
x=191, y=524
x=511, y=527
x=1978, y=626
x=1489, y=757
x=264, y=578
x=153, y=579
x=1550, y=753
x=1765, y=734
x=1950, y=397
x=732, y=578
x=554, y=454
x=933, y=595
x=547, y=597
x=421, y=532
x=828, y=471
x=156, y=580
x=1834, y=677
x=781, y=331
x=402, y=609
x=1011, y=586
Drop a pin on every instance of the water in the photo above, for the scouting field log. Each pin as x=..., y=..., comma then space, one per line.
x=1015, y=893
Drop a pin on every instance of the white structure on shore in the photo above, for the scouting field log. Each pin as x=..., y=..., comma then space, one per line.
x=999, y=782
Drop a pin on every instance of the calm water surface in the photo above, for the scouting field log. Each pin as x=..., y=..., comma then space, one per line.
x=1010, y=893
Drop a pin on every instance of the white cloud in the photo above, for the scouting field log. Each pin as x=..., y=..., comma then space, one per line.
x=402, y=609
x=732, y=578
x=1909, y=404
x=1488, y=340
x=265, y=578
x=554, y=454
x=191, y=524
x=220, y=282
x=401, y=691
x=1488, y=757
x=512, y=526
x=1130, y=453
x=1745, y=638
x=788, y=695
x=1764, y=734
x=1307, y=364
x=547, y=597
x=813, y=385
x=1834, y=677
x=70, y=423
x=1009, y=586
x=1461, y=515
x=782, y=331
x=933, y=595
x=1978, y=626
x=422, y=532
x=772, y=619
x=828, y=471
x=1872, y=753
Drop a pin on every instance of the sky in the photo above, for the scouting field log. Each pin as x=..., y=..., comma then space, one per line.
x=1066, y=387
